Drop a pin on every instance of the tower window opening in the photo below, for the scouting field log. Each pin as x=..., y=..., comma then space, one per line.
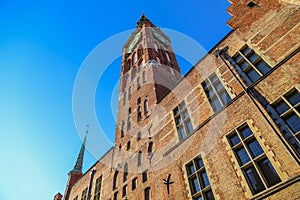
x=251, y=4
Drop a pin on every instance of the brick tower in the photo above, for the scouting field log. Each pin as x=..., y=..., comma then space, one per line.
x=149, y=71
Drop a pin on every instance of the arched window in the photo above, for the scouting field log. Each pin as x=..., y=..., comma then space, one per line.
x=144, y=77
x=150, y=149
x=129, y=92
x=155, y=47
x=139, y=113
x=115, y=180
x=124, y=98
x=129, y=123
x=158, y=60
x=134, y=58
x=138, y=83
x=122, y=129
x=139, y=161
x=125, y=174
x=146, y=106
x=133, y=73
x=168, y=57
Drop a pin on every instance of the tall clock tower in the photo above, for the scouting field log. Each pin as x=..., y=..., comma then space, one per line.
x=149, y=71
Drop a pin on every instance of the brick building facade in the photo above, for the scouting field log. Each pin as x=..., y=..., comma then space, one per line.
x=228, y=129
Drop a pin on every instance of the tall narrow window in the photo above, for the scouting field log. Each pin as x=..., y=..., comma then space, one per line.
x=128, y=123
x=125, y=173
x=134, y=58
x=139, y=161
x=168, y=57
x=76, y=198
x=98, y=188
x=198, y=180
x=182, y=120
x=147, y=193
x=116, y=196
x=256, y=167
x=138, y=136
x=139, y=113
x=122, y=128
x=84, y=194
x=128, y=146
x=134, y=183
x=124, y=98
x=250, y=64
x=144, y=176
x=144, y=77
x=138, y=85
x=158, y=60
x=150, y=149
x=288, y=109
x=155, y=47
x=215, y=92
x=115, y=180
x=124, y=191
x=146, y=106
x=129, y=92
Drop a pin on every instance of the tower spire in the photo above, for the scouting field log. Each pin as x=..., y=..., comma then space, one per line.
x=79, y=161
x=76, y=172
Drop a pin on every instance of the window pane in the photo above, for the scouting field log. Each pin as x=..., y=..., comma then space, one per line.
x=244, y=65
x=181, y=132
x=253, y=57
x=246, y=132
x=243, y=156
x=234, y=140
x=209, y=195
x=189, y=127
x=204, y=178
x=213, y=78
x=185, y=114
x=225, y=97
x=209, y=92
x=294, y=98
x=205, y=85
x=175, y=111
x=238, y=58
x=199, y=162
x=215, y=103
x=269, y=172
x=293, y=122
x=246, y=51
x=253, y=75
x=218, y=86
x=254, y=180
x=182, y=106
x=198, y=198
x=190, y=169
x=195, y=185
x=178, y=120
x=255, y=148
x=281, y=107
x=263, y=67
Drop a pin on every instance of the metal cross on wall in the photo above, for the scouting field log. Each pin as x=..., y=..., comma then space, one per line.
x=168, y=183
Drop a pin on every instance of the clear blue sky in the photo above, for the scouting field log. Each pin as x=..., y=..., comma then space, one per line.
x=42, y=45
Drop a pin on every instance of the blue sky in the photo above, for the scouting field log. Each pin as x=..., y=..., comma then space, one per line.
x=42, y=46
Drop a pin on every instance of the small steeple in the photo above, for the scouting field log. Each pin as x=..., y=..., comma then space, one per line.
x=79, y=161
x=142, y=20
